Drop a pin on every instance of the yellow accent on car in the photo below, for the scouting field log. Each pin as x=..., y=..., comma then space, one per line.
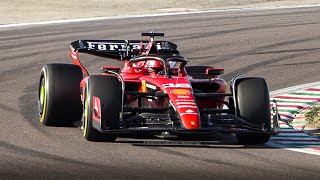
x=180, y=91
x=192, y=123
x=143, y=86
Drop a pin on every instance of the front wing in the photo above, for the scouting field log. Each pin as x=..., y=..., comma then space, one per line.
x=220, y=124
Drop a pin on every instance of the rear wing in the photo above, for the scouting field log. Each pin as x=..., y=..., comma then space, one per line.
x=120, y=49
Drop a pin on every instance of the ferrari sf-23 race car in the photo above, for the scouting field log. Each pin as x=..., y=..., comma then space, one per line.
x=154, y=92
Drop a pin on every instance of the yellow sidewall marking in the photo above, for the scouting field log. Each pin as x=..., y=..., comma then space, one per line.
x=86, y=112
x=43, y=94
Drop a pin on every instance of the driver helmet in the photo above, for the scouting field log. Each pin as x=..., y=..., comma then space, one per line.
x=154, y=66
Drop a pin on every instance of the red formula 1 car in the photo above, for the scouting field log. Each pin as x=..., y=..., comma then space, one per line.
x=154, y=92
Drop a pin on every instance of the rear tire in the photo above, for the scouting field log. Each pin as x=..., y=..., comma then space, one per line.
x=253, y=105
x=59, y=102
x=108, y=90
x=197, y=72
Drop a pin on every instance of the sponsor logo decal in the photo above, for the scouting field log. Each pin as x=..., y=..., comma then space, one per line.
x=189, y=111
x=186, y=103
x=183, y=97
x=184, y=100
x=186, y=106
x=103, y=46
x=180, y=91
x=112, y=46
x=151, y=86
x=179, y=85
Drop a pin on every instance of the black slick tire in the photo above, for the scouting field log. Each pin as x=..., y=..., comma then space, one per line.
x=253, y=105
x=108, y=90
x=59, y=102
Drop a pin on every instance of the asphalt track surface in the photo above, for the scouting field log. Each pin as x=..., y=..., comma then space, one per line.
x=280, y=45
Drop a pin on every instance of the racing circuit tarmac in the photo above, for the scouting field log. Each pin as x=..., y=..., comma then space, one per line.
x=281, y=45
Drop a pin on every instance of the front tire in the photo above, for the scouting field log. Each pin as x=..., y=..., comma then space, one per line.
x=108, y=90
x=253, y=105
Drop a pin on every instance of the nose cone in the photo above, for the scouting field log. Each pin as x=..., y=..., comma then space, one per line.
x=190, y=121
x=186, y=107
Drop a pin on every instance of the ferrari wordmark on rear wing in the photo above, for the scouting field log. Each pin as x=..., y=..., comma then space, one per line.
x=118, y=49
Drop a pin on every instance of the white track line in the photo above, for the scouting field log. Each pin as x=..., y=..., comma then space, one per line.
x=246, y=9
x=294, y=88
x=302, y=150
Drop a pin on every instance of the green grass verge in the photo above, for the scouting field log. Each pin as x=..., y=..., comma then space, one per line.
x=313, y=117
